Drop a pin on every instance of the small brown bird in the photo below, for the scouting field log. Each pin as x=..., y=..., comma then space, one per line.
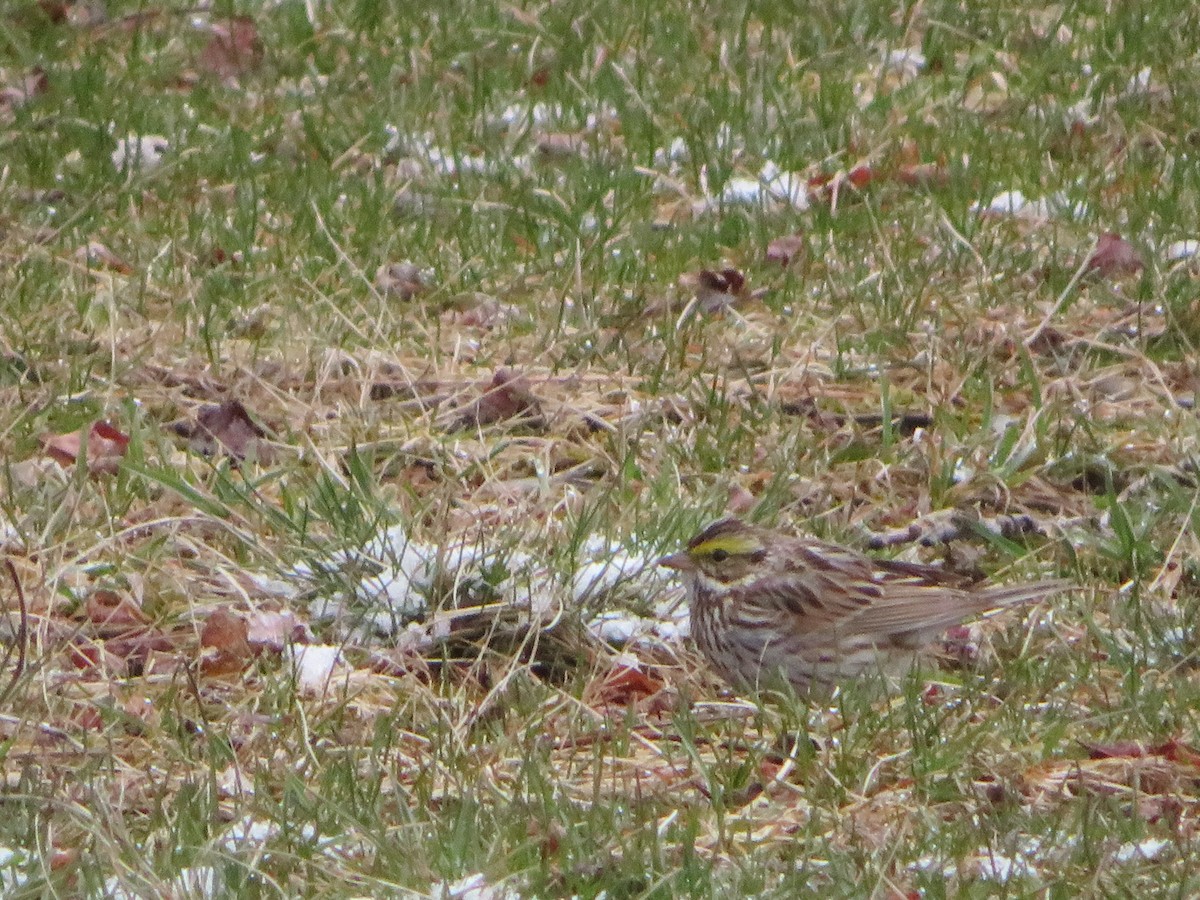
x=765, y=605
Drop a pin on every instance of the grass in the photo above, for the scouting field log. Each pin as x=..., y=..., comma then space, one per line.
x=515, y=749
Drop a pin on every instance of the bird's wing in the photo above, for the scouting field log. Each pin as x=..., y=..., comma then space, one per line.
x=829, y=587
x=916, y=605
x=836, y=591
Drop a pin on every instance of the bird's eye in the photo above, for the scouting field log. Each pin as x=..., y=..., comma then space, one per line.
x=719, y=556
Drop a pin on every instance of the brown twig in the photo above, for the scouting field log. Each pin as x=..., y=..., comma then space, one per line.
x=21, y=645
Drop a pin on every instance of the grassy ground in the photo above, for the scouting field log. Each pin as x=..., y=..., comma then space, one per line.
x=547, y=182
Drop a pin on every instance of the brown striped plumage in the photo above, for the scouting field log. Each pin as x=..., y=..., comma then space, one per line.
x=765, y=605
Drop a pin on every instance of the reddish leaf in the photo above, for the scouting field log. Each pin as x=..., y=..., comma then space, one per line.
x=95, y=657
x=861, y=175
x=1177, y=751
x=508, y=398
x=717, y=290
x=1119, y=750
x=105, y=447
x=923, y=175
x=89, y=719
x=226, y=639
x=226, y=630
x=830, y=185
x=272, y=631
x=134, y=648
x=112, y=613
x=233, y=49
x=31, y=85
x=88, y=655
x=399, y=280
x=624, y=685
x=481, y=311
x=95, y=255
x=1113, y=256
x=783, y=250
x=226, y=427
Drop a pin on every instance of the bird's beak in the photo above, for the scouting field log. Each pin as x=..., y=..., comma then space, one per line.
x=680, y=561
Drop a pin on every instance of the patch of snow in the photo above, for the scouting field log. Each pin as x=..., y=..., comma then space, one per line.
x=314, y=666
x=676, y=152
x=140, y=152
x=1146, y=850
x=1139, y=83
x=997, y=867
x=475, y=887
x=12, y=864
x=618, y=627
x=605, y=573
x=907, y=60
x=1182, y=250
x=1014, y=203
x=771, y=186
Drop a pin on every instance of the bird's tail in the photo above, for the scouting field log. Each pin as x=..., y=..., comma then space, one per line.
x=1002, y=595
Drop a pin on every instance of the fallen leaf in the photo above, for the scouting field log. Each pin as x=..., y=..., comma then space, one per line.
x=225, y=638
x=399, y=280
x=88, y=655
x=95, y=255
x=861, y=175
x=927, y=175
x=234, y=48
x=105, y=447
x=508, y=398
x=1114, y=256
x=479, y=311
x=134, y=648
x=783, y=250
x=1118, y=750
x=623, y=685
x=830, y=186
x=32, y=84
x=561, y=145
x=1177, y=751
x=55, y=10
x=225, y=427
x=228, y=631
x=272, y=631
x=111, y=612
x=716, y=291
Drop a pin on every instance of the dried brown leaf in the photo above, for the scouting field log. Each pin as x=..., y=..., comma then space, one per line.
x=622, y=686
x=105, y=447
x=399, y=280
x=234, y=48
x=227, y=631
x=272, y=631
x=225, y=638
x=226, y=427
x=111, y=612
x=508, y=399
x=783, y=250
x=1114, y=256
x=927, y=175
x=480, y=311
x=32, y=84
x=95, y=255
x=716, y=291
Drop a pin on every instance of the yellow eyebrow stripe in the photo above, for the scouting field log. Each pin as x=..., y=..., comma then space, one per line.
x=734, y=545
